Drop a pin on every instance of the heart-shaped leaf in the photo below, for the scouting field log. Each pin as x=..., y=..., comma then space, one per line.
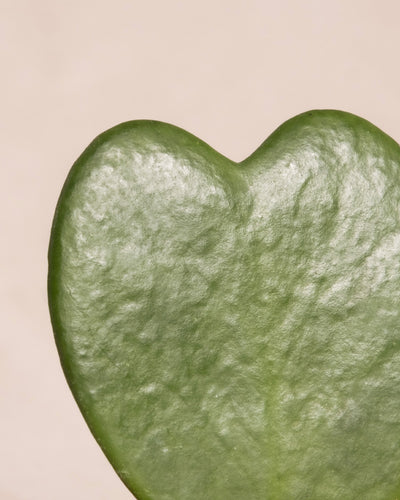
x=232, y=330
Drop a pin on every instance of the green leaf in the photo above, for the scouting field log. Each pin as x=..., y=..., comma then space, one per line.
x=232, y=330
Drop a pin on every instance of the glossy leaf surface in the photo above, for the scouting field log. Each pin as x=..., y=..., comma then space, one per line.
x=232, y=330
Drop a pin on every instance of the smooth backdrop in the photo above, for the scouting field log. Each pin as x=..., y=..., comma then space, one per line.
x=229, y=71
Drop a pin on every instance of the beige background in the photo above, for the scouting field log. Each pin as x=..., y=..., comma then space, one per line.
x=229, y=71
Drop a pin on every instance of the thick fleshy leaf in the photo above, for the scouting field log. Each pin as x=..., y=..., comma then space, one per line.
x=232, y=330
